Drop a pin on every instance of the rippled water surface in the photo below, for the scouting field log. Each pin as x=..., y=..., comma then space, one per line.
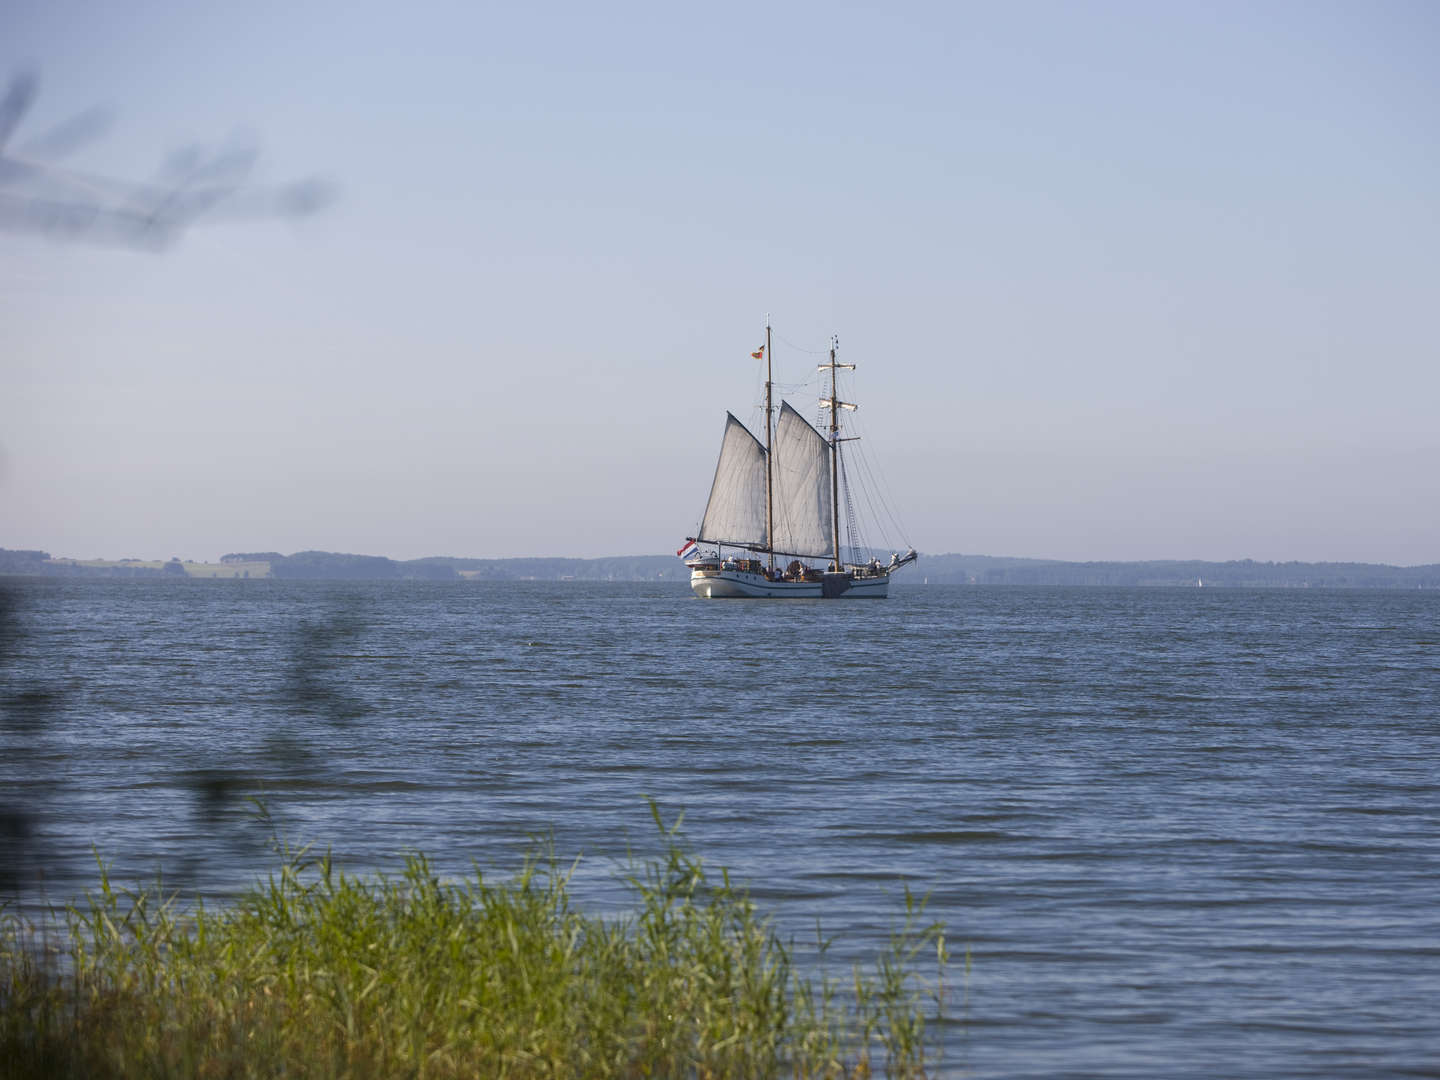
x=1183, y=832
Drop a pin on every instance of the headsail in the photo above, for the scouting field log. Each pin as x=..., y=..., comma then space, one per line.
x=802, y=487
x=735, y=513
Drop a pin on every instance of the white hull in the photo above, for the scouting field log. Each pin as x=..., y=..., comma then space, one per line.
x=742, y=584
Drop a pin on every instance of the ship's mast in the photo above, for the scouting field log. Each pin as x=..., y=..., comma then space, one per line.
x=835, y=405
x=769, y=458
x=834, y=456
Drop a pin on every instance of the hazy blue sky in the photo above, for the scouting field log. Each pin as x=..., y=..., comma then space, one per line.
x=1150, y=280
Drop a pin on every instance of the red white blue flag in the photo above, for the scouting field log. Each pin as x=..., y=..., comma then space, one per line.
x=689, y=549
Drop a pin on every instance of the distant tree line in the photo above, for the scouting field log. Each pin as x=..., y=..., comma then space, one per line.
x=22, y=562
x=330, y=566
x=934, y=569
x=334, y=566
x=1242, y=573
x=32, y=563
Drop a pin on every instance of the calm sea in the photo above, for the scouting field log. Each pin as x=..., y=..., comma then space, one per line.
x=1184, y=833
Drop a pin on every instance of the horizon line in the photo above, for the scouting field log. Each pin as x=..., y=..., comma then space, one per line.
x=664, y=555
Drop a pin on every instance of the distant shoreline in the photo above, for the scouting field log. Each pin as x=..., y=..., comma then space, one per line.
x=932, y=569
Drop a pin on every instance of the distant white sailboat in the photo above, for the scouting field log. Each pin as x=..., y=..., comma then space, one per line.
x=781, y=499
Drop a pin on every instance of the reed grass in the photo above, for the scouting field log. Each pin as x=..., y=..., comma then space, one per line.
x=317, y=973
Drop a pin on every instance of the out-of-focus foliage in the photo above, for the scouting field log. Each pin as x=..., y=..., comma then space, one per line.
x=195, y=185
x=315, y=973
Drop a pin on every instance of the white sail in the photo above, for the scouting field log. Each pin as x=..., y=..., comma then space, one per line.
x=735, y=513
x=801, y=463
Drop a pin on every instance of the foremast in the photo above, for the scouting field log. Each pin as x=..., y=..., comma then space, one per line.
x=834, y=404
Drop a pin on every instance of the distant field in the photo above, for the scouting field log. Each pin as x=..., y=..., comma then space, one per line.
x=228, y=570
x=139, y=564
x=192, y=569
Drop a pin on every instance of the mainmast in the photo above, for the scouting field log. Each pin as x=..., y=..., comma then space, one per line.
x=769, y=458
x=835, y=405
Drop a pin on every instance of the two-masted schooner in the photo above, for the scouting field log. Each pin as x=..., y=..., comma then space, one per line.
x=776, y=506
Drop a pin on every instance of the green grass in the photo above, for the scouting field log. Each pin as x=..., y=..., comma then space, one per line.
x=315, y=973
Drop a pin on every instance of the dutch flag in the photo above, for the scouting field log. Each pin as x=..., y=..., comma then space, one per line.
x=689, y=549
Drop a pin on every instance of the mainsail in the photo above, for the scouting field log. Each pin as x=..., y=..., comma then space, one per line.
x=735, y=513
x=801, y=462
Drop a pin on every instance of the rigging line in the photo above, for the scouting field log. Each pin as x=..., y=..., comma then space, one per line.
x=871, y=486
x=798, y=348
x=866, y=483
x=852, y=528
x=876, y=518
x=892, y=513
x=870, y=491
x=873, y=516
x=875, y=480
x=857, y=432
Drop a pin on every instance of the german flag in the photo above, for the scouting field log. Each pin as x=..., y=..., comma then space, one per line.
x=759, y=354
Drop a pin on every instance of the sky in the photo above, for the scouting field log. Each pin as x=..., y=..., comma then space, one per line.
x=1121, y=281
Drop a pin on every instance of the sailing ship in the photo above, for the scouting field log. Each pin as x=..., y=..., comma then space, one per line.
x=776, y=506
